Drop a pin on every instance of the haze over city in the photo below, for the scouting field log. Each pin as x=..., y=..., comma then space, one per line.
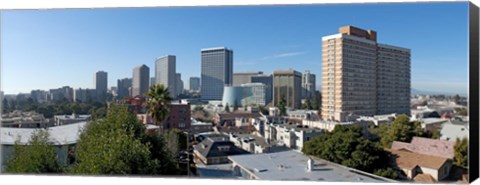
x=67, y=47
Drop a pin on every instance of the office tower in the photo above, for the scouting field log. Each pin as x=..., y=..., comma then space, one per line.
x=152, y=81
x=39, y=96
x=249, y=94
x=217, y=70
x=361, y=77
x=140, y=80
x=123, y=86
x=84, y=95
x=308, y=85
x=268, y=81
x=101, y=83
x=287, y=85
x=244, y=77
x=179, y=84
x=194, y=83
x=165, y=71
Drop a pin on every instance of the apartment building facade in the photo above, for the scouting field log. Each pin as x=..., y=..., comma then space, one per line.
x=361, y=77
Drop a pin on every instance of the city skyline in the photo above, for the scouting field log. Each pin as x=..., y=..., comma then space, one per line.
x=92, y=45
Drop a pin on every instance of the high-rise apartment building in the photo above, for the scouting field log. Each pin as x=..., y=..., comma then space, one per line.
x=194, y=83
x=123, y=86
x=287, y=85
x=361, y=77
x=217, y=70
x=165, y=73
x=140, y=80
x=244, y=77
x=101, y=85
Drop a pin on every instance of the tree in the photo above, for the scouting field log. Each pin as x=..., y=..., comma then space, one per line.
x=235, y=106
x=461, y=111
x=401, y=129
x=461, y=152
x=435, y=134
x=118, y=144
x=227, y=108
x=347, y=146
x=38, y=156
x=387, y=172
x=175, y=140
x=158, y=103
x=307, y=105
x=281, y=106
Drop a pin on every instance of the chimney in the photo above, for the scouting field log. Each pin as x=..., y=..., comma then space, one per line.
x=310, y=165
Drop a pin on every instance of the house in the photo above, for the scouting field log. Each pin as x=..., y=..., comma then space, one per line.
x=251, y=143
x=291, y=135
x=200, y=127
x=213, y=150
x=427, y=146
x=432, y=124
x=420, y=167
x=229, y=118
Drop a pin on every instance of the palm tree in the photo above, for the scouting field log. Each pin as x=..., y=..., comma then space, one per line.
x=158, y=103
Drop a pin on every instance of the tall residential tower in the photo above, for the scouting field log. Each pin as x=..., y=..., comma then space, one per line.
x=361, y=77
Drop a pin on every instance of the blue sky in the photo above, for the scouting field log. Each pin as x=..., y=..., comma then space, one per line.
x=44, y=49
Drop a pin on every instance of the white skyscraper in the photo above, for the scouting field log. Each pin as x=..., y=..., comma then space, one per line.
x=165, y=73
x=140, y=80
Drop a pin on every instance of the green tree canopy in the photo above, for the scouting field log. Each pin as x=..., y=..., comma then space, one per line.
x=461, y=153
x=347, y=146
x=38, y=156
x=118, y=144
x=401, y=129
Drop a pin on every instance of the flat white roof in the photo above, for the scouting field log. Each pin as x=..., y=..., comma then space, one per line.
x=292, y=165
x=60, y=135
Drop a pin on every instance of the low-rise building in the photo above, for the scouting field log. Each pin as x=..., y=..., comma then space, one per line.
x=62, y=137
x=69, y=119
x=251, y=143
x=200, y=127
x=20, y=119
x=229, y=118
x=377, y=119
x=311, y=115
x=292, y=165
x=291, y=135
x=215, y=150
x=179, y=116
x=432, y=124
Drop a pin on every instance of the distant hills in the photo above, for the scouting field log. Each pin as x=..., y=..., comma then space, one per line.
x=414, y=91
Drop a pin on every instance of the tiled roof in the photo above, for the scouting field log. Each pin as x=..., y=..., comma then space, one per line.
x=409, y=160
x=427, y=146
x=426, y=178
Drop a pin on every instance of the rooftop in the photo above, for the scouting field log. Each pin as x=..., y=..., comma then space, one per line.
x=217, y=147
x=60, y=135
x=452, y=131
x=409, y=160
x=292, y=165
x=427, y=146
